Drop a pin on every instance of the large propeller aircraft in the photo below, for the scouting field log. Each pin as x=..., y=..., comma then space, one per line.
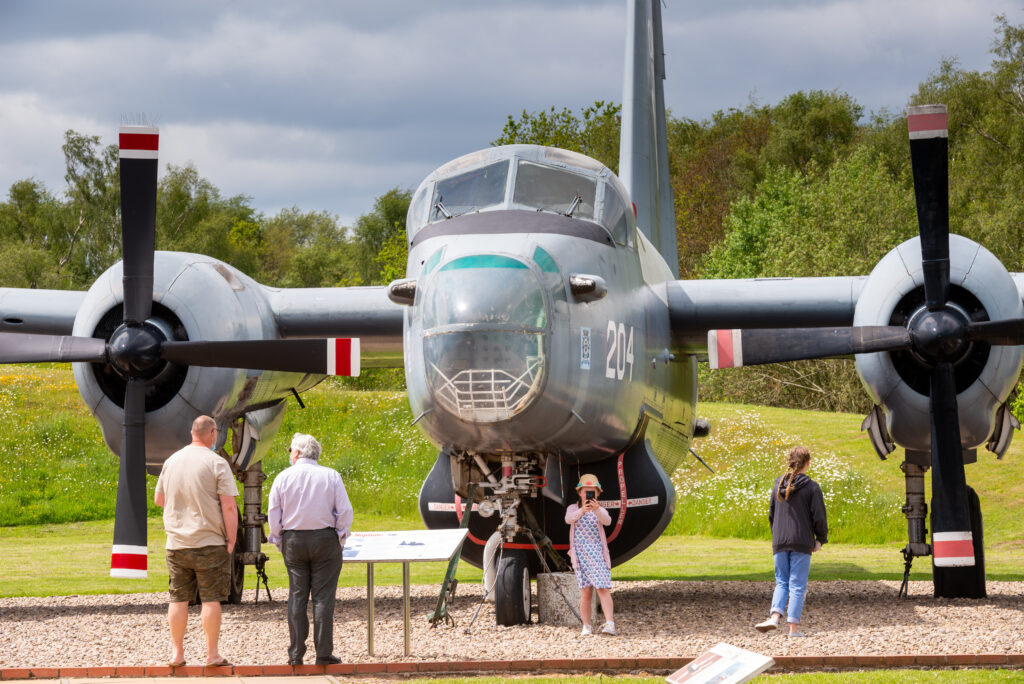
x=543, y=332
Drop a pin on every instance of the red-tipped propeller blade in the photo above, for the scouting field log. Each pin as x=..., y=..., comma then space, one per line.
x=929, y=129
x=753, y=347
x=333, y=356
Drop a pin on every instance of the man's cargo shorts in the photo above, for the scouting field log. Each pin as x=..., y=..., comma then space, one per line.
x=207, y=566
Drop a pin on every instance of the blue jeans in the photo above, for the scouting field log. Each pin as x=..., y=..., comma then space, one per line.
x=791, y=570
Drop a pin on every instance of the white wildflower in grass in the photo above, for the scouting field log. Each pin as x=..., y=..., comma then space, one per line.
x=748, y=455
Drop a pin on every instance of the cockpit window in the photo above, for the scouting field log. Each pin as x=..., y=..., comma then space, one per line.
x=418, y=210
x=613, y=216
x=470, y=191
x=550, y=189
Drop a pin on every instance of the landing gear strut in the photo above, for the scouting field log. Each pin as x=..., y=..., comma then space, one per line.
x=520, y=481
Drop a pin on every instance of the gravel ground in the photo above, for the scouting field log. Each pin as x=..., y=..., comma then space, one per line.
x=653, y=619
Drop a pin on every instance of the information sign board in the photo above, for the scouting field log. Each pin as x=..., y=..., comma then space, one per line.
x=723, y=664
x=402, y=546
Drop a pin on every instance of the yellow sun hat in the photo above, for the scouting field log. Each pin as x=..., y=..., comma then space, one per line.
x=589, y=480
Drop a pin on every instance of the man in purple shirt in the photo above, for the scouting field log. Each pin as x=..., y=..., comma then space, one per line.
x=310, y=518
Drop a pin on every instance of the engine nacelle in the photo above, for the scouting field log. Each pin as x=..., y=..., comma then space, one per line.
x=898, y=381
x=199, y=298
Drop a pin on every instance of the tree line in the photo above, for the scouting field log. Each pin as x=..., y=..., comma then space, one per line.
x=65, y=241
x=808, y=186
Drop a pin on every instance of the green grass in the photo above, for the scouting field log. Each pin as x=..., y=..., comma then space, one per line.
x=55, y=469
x=54, y=560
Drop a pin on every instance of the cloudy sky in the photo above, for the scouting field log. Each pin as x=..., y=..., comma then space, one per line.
x=327, y=104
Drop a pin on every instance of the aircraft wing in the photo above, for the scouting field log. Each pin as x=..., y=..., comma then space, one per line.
x=363, y=312
x=48, y=312
x=697, y=306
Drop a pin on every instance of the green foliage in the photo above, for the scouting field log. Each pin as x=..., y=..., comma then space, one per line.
x=821, y=385
x=594, y=132
x=811, y=128
x=380, y=230
x=840, y=222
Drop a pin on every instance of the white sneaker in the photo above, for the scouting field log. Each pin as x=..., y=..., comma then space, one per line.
x=609, y=628
x=768, y=625
x=587, y=630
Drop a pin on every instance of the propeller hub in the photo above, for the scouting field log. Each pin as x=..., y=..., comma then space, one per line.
x=134, y=350
x=939, y=335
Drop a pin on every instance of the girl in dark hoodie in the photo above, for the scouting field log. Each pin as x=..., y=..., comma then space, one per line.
x=796, y=514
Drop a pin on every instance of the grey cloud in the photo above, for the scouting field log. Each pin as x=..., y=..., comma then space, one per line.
x=331, y=103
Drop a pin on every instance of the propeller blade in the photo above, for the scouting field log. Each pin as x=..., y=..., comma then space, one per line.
x=128, y=557
x=929, y=128
x=138, y=155
x=27, y=348
x=1007, y=332
x=333, y=356
x=952, y=541
x=734, y=348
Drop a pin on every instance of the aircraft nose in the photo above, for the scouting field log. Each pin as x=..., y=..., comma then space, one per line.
x=485, y=325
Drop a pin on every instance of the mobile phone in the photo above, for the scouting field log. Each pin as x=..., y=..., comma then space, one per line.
x=590, y=495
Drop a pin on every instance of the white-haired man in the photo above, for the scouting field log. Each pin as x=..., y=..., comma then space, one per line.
x=310, y=518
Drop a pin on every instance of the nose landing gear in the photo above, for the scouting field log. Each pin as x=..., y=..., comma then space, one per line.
x=518, y=530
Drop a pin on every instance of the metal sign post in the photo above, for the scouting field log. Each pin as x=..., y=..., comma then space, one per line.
x=403, y=547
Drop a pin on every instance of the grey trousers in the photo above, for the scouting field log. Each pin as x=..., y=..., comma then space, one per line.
x=313, y=560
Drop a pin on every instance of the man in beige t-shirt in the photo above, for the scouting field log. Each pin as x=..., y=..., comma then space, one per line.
x=197, y=492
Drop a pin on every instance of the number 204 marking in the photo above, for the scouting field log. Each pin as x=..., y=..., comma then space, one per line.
x=620, y=351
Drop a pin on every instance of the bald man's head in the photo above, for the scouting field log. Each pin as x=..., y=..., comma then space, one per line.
x=204, y=431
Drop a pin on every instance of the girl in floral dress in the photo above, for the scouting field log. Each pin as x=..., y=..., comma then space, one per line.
x=588, y=549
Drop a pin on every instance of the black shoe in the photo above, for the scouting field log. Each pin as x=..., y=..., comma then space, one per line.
x=328, y=660
x=295, y=661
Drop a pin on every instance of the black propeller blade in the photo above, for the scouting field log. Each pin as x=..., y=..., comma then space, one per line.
x=138, y=154
x=1008, y=332
x=947, y=334
x=138, y=166
x=928, y=157
x=135, y=352
x=333, y=356
x=952, y=545
x=27, y=348
x=753, y=347
x=128, y=557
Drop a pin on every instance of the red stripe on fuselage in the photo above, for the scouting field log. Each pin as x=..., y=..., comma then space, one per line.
x=139, y=141
x=128, y=561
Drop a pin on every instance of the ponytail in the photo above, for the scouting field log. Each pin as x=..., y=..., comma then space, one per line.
x=796, y=460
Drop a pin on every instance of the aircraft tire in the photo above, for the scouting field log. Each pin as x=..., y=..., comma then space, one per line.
x=512, y=589
x=965, y=582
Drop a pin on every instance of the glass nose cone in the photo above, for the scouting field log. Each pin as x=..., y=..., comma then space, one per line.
x=484, y=337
